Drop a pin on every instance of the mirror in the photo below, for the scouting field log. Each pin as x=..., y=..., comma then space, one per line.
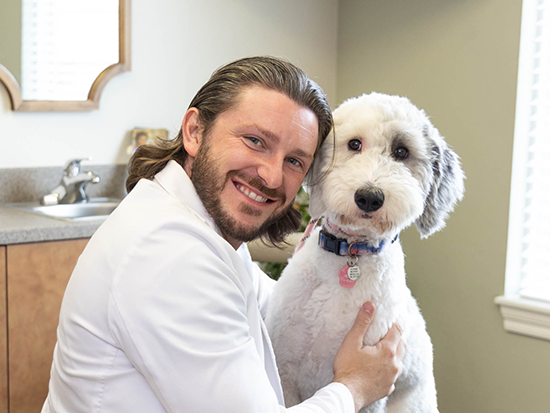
x=58, y=55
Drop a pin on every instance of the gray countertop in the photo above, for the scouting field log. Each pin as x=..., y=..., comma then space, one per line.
x=27, y=184
x=18, y=227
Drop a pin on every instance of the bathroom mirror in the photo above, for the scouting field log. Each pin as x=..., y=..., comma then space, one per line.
x=58, y=55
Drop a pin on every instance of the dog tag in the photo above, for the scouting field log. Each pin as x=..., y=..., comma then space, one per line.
x=345, y=281
x=354, y=272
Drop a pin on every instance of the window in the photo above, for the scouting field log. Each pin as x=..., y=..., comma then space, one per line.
x=526, y=303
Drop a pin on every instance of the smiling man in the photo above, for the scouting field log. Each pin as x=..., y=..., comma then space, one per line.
x=164, y=310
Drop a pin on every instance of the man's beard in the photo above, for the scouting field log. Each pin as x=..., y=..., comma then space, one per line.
x=209, y=184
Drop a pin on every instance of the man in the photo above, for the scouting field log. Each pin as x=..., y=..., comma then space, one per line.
x=163, y=312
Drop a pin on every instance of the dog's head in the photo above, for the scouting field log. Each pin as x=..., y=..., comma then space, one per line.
x=383, y=167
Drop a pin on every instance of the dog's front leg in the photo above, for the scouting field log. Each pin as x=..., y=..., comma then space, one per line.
x=413, y=400
x=415, y=389
x=376, y=407
x=291, y=391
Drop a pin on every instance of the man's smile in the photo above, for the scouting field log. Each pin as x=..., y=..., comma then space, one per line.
x=255, y=190
x=252, y=195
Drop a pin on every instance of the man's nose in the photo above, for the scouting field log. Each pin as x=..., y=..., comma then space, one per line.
x=271, y=172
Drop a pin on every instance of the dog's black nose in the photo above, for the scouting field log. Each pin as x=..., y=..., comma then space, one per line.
x=369, y=199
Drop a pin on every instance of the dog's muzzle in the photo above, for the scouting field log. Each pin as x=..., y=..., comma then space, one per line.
x=369, y=199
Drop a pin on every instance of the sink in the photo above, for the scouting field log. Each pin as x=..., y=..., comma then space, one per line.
x=95, y=208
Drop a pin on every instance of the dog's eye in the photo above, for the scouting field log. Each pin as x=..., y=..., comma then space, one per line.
x=401, y=152
x=355, y=145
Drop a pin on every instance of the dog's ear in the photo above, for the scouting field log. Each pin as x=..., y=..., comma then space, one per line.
x=316, y=175
x=447, y=186
x=316, y=204
x=312, y=185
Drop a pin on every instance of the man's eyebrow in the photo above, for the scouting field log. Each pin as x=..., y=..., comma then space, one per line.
x=303, y=154
x=275, y=138
x=268, y=134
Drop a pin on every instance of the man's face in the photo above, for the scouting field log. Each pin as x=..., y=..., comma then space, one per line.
x=251, y=164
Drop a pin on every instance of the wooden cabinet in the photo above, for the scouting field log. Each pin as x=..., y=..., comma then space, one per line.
x=3, y=335
x=36, y=276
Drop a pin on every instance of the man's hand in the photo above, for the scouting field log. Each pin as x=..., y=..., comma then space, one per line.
x=369, y=372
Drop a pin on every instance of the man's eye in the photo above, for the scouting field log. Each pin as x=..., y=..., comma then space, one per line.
x=294, y=161
x=254, y=140
x=355, y=145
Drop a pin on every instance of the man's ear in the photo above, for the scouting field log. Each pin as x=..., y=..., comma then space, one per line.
x=192, y=132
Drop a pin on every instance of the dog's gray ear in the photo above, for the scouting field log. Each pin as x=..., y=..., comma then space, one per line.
x=447, y=186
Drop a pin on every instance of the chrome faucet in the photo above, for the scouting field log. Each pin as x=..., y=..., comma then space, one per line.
x=72, y=188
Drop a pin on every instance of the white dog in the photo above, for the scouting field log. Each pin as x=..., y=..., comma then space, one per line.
x=384, y=167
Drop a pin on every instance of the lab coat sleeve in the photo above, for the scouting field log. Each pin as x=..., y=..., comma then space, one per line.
x=179, y=312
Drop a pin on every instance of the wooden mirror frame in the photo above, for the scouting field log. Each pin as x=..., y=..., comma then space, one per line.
x=92, y=103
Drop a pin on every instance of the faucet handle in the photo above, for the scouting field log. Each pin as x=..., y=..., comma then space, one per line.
x=73, y=168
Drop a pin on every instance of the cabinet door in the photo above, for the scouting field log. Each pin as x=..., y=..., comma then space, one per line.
x=37, y=275
x=3, y=336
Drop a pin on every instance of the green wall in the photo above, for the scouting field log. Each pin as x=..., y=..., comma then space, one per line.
x=458, y=60
x=10, y=36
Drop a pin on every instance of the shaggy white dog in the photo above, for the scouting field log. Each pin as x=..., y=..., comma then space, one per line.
x=384, y=167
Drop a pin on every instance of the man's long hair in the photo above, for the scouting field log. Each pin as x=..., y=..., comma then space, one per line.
x=220, y=94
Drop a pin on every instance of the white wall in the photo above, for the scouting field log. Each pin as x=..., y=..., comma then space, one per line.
x=176, y=44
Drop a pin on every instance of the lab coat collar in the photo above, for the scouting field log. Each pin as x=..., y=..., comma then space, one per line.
x=177, y=183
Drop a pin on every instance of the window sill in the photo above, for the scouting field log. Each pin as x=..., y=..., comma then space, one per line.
x=526, y=317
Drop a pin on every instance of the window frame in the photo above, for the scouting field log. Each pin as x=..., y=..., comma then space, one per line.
x=521, y=315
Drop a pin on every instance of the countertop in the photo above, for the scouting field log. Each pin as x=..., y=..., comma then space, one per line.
x=27, y=184
x=18, y=227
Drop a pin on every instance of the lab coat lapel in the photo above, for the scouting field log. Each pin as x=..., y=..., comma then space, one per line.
x=177, y=183
x=271, y=365
x=267, y=349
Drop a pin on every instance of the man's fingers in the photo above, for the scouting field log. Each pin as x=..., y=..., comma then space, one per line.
x=361, y=325
x=393, y=336
x=401, y=349
x=394, y=339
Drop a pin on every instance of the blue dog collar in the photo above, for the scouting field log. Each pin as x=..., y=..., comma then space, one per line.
x=340, y=246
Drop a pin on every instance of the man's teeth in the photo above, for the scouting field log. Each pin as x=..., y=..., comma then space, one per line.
x=251, y=194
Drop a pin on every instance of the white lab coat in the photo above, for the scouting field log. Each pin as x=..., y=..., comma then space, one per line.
x=161, y=314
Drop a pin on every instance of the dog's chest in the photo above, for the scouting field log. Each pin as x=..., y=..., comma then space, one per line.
x=331, y=308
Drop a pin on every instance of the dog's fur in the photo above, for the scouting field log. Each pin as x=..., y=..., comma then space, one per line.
x=310, y=312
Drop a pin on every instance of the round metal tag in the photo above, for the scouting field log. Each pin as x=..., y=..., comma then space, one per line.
x=354, y=273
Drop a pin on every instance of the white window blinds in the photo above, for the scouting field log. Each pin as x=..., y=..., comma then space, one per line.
x=528, y=259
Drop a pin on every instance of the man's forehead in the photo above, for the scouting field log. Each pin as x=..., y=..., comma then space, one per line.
x=299, y=116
